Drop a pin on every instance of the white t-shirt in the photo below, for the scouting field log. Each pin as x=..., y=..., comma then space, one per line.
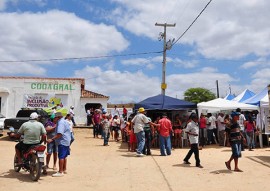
x=212, y=120
x=241, y=121
x=193, y=127
x=139, y=122
x=115, y=122
x=115, y=112
x=70, y=124
x=71, y=112
x=220, y=123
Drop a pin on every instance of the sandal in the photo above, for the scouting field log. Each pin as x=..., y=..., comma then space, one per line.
x=237, y=170
x=228, y=166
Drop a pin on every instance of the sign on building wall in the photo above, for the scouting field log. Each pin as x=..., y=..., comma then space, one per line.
x=43, y=101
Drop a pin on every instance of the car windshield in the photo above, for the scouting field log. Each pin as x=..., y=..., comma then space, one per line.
x=24, y=113
x=2, y=116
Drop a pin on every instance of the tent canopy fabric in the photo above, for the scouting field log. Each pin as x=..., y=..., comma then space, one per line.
x=256, y=99
x=163, y=102
x=220, y=104
x=229, y=97
x=244, y=95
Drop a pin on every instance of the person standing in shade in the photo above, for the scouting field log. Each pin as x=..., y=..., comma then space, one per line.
x=165, y=129
x=148, y=129
x=193, y=131
x=203, y=129
x=71, y=112
x=52, y=147
x=139, y=122
x=235, y=137
x=221, y=129
x=63, y=139
x=210, y=129
x=241, y=121
x=96, y=119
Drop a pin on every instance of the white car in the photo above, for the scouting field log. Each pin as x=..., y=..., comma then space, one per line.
x=2, y=119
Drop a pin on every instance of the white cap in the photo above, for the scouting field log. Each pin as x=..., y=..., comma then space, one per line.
x=34, y=115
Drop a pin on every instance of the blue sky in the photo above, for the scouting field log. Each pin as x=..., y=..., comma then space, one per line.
x=229, y=43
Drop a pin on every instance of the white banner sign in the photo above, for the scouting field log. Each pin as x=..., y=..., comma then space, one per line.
x=41, y=101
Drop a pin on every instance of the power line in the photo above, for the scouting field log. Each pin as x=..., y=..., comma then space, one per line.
x=192, y=23
x=80, y=58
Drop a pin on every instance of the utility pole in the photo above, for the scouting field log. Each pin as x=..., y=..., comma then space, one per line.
x=165, y=48
x=217, y=89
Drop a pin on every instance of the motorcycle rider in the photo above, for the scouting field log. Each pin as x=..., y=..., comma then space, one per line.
x=33, y=132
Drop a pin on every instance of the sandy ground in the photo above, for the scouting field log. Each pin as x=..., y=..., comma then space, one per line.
x=92, y=166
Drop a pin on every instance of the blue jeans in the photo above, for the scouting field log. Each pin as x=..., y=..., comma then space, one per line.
x=106, y=136
x=210, y=136
x=141, y=141
x=250, y=139
x=236, y=149
x=165, y=143
x=147, y=146
x=96, y=130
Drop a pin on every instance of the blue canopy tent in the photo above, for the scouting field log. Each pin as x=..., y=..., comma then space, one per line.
x=256, y=99
x=229, y=97
x=163, y=102
x=246, y=94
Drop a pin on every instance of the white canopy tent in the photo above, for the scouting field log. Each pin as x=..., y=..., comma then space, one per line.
x=220, y=104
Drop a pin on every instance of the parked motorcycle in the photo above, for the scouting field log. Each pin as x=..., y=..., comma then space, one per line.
x=33, y=161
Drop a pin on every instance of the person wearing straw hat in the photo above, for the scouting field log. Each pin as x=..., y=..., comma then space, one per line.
x=139, y=122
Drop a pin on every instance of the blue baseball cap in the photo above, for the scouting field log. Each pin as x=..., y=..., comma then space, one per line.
x=235, y=113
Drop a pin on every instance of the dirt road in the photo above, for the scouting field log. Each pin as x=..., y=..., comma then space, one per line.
x=92, y=166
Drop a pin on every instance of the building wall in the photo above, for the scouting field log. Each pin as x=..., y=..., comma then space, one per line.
x=13, y=93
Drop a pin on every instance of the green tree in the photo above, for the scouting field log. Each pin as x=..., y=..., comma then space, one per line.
x=197, y=95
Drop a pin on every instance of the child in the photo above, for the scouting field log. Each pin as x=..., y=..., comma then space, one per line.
x=106, y=129
x=132, y=140
x=127, y=131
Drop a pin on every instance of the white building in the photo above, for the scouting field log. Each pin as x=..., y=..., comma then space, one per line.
x=35, y=92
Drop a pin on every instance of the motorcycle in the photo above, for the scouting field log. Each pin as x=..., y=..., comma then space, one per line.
x=33, y=161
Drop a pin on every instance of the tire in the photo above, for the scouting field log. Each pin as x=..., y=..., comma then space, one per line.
x=35, y=167
x=16, y=168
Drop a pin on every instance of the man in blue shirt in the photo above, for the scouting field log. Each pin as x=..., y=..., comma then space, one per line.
x=62, y=138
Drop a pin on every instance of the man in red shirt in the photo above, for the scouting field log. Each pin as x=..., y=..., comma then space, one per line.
x=165, y=127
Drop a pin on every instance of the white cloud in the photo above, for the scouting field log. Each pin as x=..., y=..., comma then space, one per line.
x=145, y=62
x=55, y=34
x=209, y=70
x=22, y=68
x=261, y=62
x=183, y=63
x=125, y=87
x=179, y=83
x=236, y=31
x=122, y=87
x=3, y=5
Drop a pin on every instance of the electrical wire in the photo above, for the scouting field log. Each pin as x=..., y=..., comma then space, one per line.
x=81, y=58
x=192, y=23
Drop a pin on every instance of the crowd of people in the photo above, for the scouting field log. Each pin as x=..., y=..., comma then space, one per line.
x=141, y=134
x=57, y=133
